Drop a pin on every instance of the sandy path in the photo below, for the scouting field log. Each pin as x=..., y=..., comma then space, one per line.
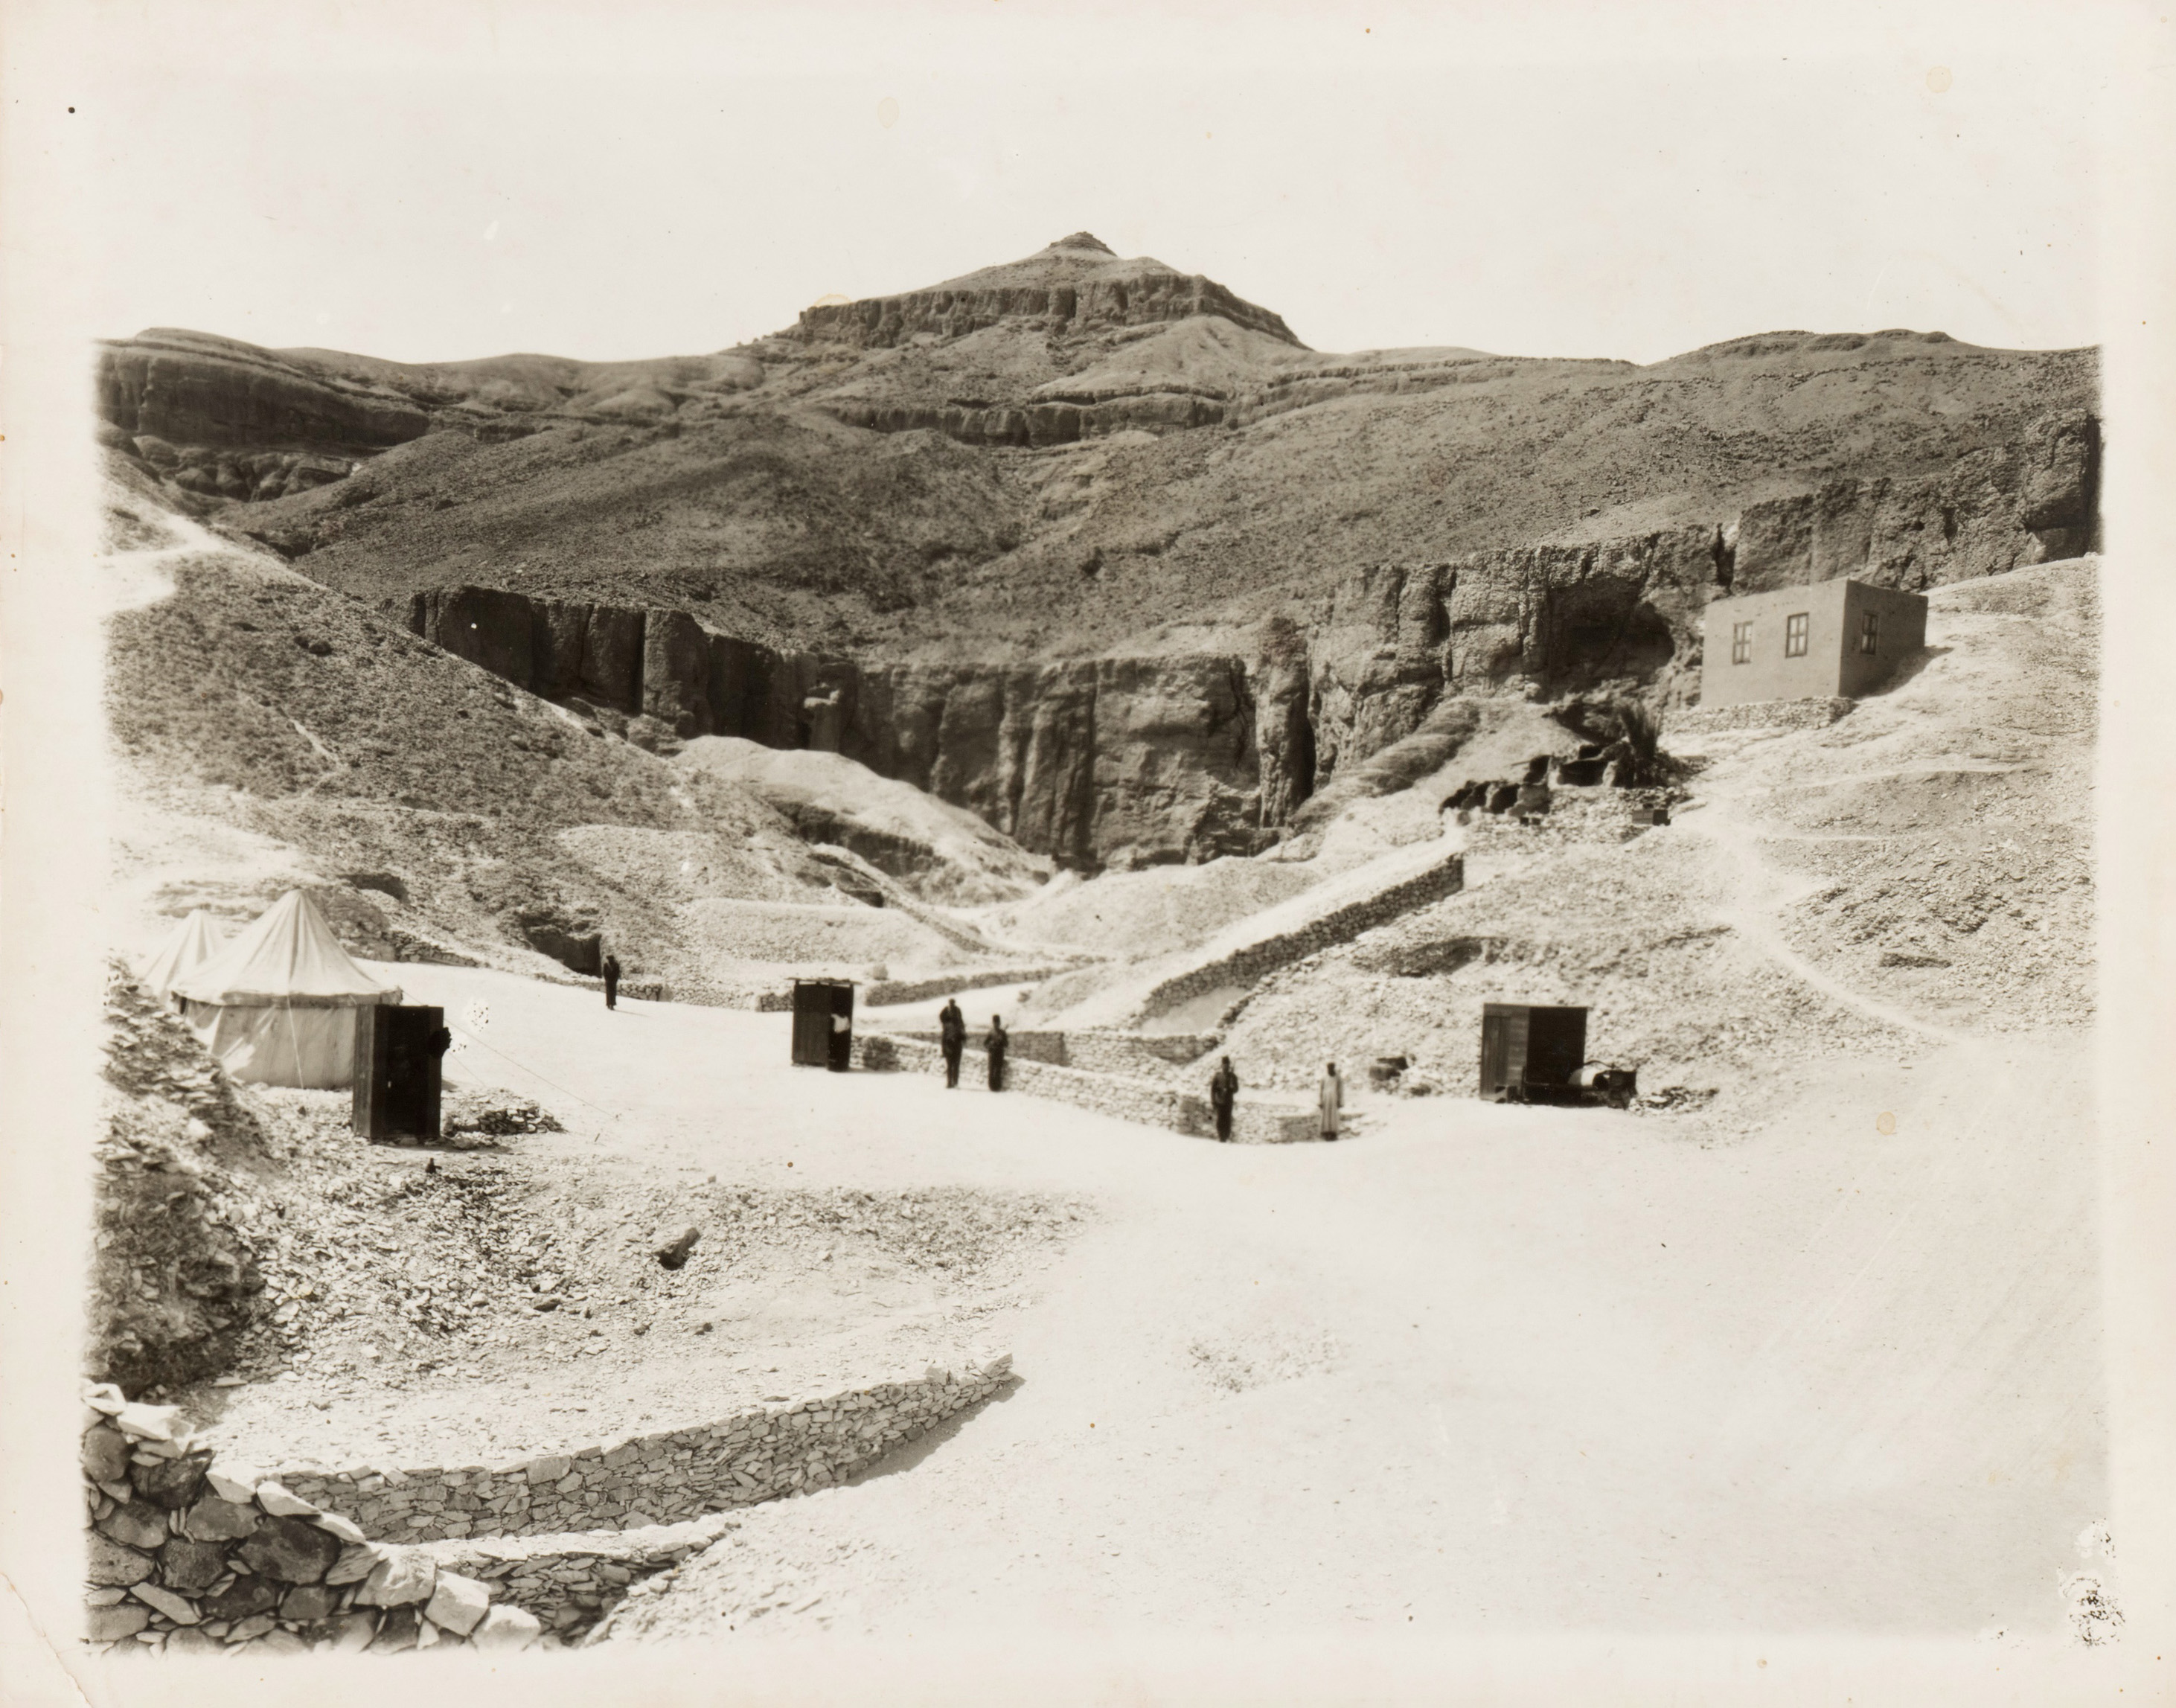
x=1493, y=1368
x=1763, y=892
x=1481, y=1368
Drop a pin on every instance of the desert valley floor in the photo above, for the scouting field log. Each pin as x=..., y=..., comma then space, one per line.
x=1403, y=1377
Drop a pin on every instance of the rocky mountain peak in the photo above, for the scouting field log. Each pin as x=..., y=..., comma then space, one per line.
x=1077, y=284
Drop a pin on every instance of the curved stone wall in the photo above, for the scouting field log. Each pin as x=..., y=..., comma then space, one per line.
x=754, y=1456
x=189, y=1557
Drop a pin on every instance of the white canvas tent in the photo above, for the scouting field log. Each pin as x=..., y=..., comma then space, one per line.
x=278, y=1005
x=191, y=943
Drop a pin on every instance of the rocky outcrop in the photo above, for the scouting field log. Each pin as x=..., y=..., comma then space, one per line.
x=1137, y=761
x=175, y=1273
x=1389, y=642
x=191, y=388
x=1075, y=286
x=1995, y=509
x=1098, y=762
x=1037, y=424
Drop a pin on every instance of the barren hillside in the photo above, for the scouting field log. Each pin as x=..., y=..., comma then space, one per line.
x=1917, y=873
x=1054, y=455
x=273, y=734
x=1095, y=548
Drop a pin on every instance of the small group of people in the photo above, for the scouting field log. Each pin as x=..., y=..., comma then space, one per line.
x=952, y=1040
x=1224, y=1097
x=1223, y=1084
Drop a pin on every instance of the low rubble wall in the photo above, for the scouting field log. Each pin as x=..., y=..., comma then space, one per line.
x=1145, y=1101
x=1576, y=816
x=1101, y=1052
x=1093, y=1052
x=753, y=1455
x=889, y=991
x=1816, y=714
x=1257, y=961
x=190, y=1556
x=571, y=1581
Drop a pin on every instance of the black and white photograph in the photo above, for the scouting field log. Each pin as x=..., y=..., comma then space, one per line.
x=1010, y=852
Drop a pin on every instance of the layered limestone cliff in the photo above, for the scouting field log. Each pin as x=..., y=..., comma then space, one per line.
x=1075, y=286
x=1137, y=761
x=222, y=417
x=1099, y=762
x=192, y=387
x=1996, y=509
x=1035, y=424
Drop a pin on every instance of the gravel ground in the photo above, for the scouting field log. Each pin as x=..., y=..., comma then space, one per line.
x=1153, y=912
x=1402, y=1377
x=1918, y=872
x=724, y=932
x=487, y=1303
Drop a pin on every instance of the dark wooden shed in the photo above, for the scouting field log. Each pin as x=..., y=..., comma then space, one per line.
x=820, y=1041
x=398, y=1060
x=1525, y=1047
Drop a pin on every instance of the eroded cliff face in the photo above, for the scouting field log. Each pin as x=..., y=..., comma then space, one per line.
x=1995, y=509
x=227, y=419
x=1034, y=425
x=1389, y=641
x=1127, y=761
x=1120, y=762
x=1075, y=286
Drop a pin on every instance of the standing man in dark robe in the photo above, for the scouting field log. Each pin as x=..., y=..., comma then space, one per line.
x=1223, y=1093
x=612, y=981
x=952, y=1038
x=995, y=1044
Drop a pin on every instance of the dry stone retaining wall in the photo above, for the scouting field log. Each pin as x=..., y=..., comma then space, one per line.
x=1093, y=1051
x=754, y=1456
x=1145, y=1101
x=1101, y=1052
x=188, y=1557
x=1257, y=961
x=887, y=991
x=570, y=1582
x=1816, y=714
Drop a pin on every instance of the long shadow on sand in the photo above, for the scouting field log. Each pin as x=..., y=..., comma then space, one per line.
x=912, y=1455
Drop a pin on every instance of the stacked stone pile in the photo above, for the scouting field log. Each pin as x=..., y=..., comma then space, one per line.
x=421, y=1260
x=1601, y=815
x=189, y=1557
x=754, y=1456
x=470, y=1116
x=1777, y=714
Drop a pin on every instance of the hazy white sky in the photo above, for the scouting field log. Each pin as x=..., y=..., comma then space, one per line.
x=461, y=180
